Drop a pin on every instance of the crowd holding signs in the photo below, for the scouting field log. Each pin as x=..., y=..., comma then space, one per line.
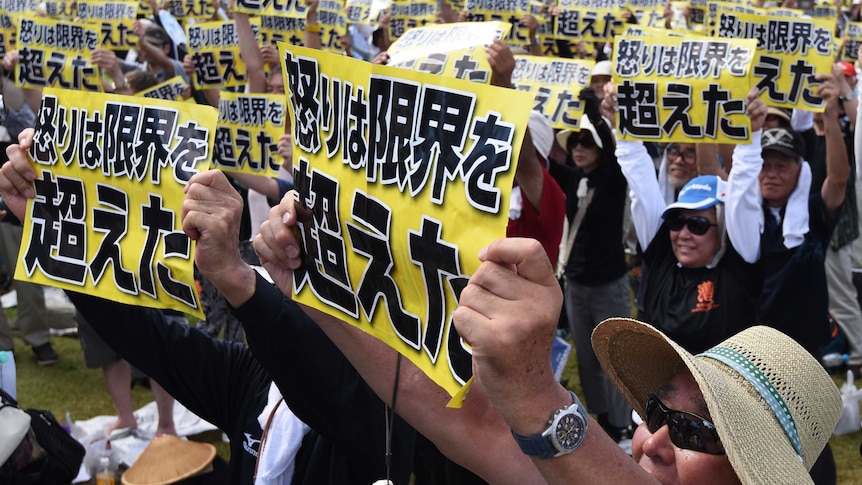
x=406, y=169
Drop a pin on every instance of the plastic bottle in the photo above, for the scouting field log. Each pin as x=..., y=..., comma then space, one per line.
x=8, y=381
x=834, y=359
x=105, y=475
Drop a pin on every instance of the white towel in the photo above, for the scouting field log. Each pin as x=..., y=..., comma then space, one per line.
x=516, y=203
x=275, y=463
x=794, y=227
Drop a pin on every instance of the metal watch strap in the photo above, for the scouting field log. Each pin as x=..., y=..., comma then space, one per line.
x=540, y=444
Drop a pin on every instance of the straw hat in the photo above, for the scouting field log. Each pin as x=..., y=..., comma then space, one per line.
x=169, y=459
x=639, y=359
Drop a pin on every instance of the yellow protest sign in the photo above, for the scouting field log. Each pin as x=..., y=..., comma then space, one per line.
x=191, y=10
x=683, y=89
x=405, y=177
x=249, y=126
x=555, y=84
x=170, y=90
x=55, y=53
x=58, y=9
x=591, y=20
x=852, y=41
x=115, y=21
x=8, y=34
x=365, y=11
x=421, y=42
x=510, y=11
x=790, y=51
x=407, y=14
x=649, y=13
x=294, y=9
x=282, y=29
x=109, y=191
x=333, y=22
x=214, y=47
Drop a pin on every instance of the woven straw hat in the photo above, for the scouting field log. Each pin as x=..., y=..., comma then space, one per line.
x=639, y=360
x=169, y=459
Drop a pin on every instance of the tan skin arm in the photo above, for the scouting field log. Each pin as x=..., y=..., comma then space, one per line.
x=250, y=53
x=466, y=435
x=312, y=39
x=834, y=186
x=707, y=160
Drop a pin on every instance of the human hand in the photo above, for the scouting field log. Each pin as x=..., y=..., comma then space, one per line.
x=508, y=314
x=830, y=89
x=531, y=23
x=10, y=60
x=609, y=104
x=277, y=246
x=17, y=175
x=756, y=109
x=285, y=148
x=382, y=58
x=269, y=53
x=502, y=63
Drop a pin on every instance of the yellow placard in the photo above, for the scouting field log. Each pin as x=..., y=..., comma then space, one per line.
x=249, y=126
x=214, y=47
x=294, y=9
x=282, y=29
x=790, y=51
x=170, y=90
x=109, y=190
x=407, y=14
x=189, y=11
x=58, y=9
x=405, y=177
x=590, y=20
x=510, y=11
x=683, y=89
x=365, y=11
x=115, y=20
x=333, y=22
x=852, y=41
x=555, y=85
x=55, y=53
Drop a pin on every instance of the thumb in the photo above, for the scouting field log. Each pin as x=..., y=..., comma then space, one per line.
x=526, y=256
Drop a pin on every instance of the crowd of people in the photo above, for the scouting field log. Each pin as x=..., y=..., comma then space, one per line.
x=742, y=254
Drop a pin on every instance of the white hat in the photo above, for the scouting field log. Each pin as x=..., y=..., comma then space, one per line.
x=541, y=132
x=602, y=68
x=585, y=124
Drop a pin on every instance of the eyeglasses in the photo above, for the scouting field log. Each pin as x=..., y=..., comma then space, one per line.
x=697, y=225
x=687, y=430
x=689, y=156
x=585, y=141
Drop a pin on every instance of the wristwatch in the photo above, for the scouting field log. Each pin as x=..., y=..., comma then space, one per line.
x=566, y=431
x=847, y=96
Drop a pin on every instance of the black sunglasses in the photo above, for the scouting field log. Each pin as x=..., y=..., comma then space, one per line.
x=584, y=141
x=697, y=225
x=687, y=430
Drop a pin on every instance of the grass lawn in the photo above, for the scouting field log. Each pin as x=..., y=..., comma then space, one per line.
x=68, y=386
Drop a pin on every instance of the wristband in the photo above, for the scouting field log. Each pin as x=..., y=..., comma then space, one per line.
x=115, y=87
x=313, y=28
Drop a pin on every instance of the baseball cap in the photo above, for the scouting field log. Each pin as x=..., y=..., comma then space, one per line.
x=699, y=193
x=602, y=68
x=786, y=141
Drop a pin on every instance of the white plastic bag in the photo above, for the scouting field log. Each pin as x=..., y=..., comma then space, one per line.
x=850, y=397
x=14, y=424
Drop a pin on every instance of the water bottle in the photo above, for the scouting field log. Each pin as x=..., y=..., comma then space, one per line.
x=834, y=359
x=105, y=475
x=7, y=373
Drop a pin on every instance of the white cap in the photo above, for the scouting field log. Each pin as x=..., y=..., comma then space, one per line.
x=602, y=68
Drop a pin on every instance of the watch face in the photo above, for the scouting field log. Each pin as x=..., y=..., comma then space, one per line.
x=569, y=431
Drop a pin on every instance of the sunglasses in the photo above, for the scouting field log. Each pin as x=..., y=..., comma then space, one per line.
x=690, y=156
x=687, y=431
x=584, y=141
x=697, y=225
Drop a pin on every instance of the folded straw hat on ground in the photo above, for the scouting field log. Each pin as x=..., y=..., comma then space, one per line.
x=773, y=405
x=168, y=459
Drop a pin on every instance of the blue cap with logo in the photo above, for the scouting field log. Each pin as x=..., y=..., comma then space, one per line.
x=699, y=193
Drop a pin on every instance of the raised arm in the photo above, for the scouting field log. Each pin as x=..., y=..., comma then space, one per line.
x=834, y=186
x=743, y=201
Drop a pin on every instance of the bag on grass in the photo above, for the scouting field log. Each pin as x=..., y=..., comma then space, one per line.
x=14, y=424
x=47, y=455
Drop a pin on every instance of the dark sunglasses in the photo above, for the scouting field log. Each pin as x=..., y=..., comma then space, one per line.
x=697, y=225
x=584, y=141
x=687, y=430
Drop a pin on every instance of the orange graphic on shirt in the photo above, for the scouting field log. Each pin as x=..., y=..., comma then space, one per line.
x=705, y=292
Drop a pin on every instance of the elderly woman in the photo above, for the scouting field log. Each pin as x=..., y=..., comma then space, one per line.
x=701, y=280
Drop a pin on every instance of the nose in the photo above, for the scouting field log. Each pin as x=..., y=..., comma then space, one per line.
x=657, y=445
